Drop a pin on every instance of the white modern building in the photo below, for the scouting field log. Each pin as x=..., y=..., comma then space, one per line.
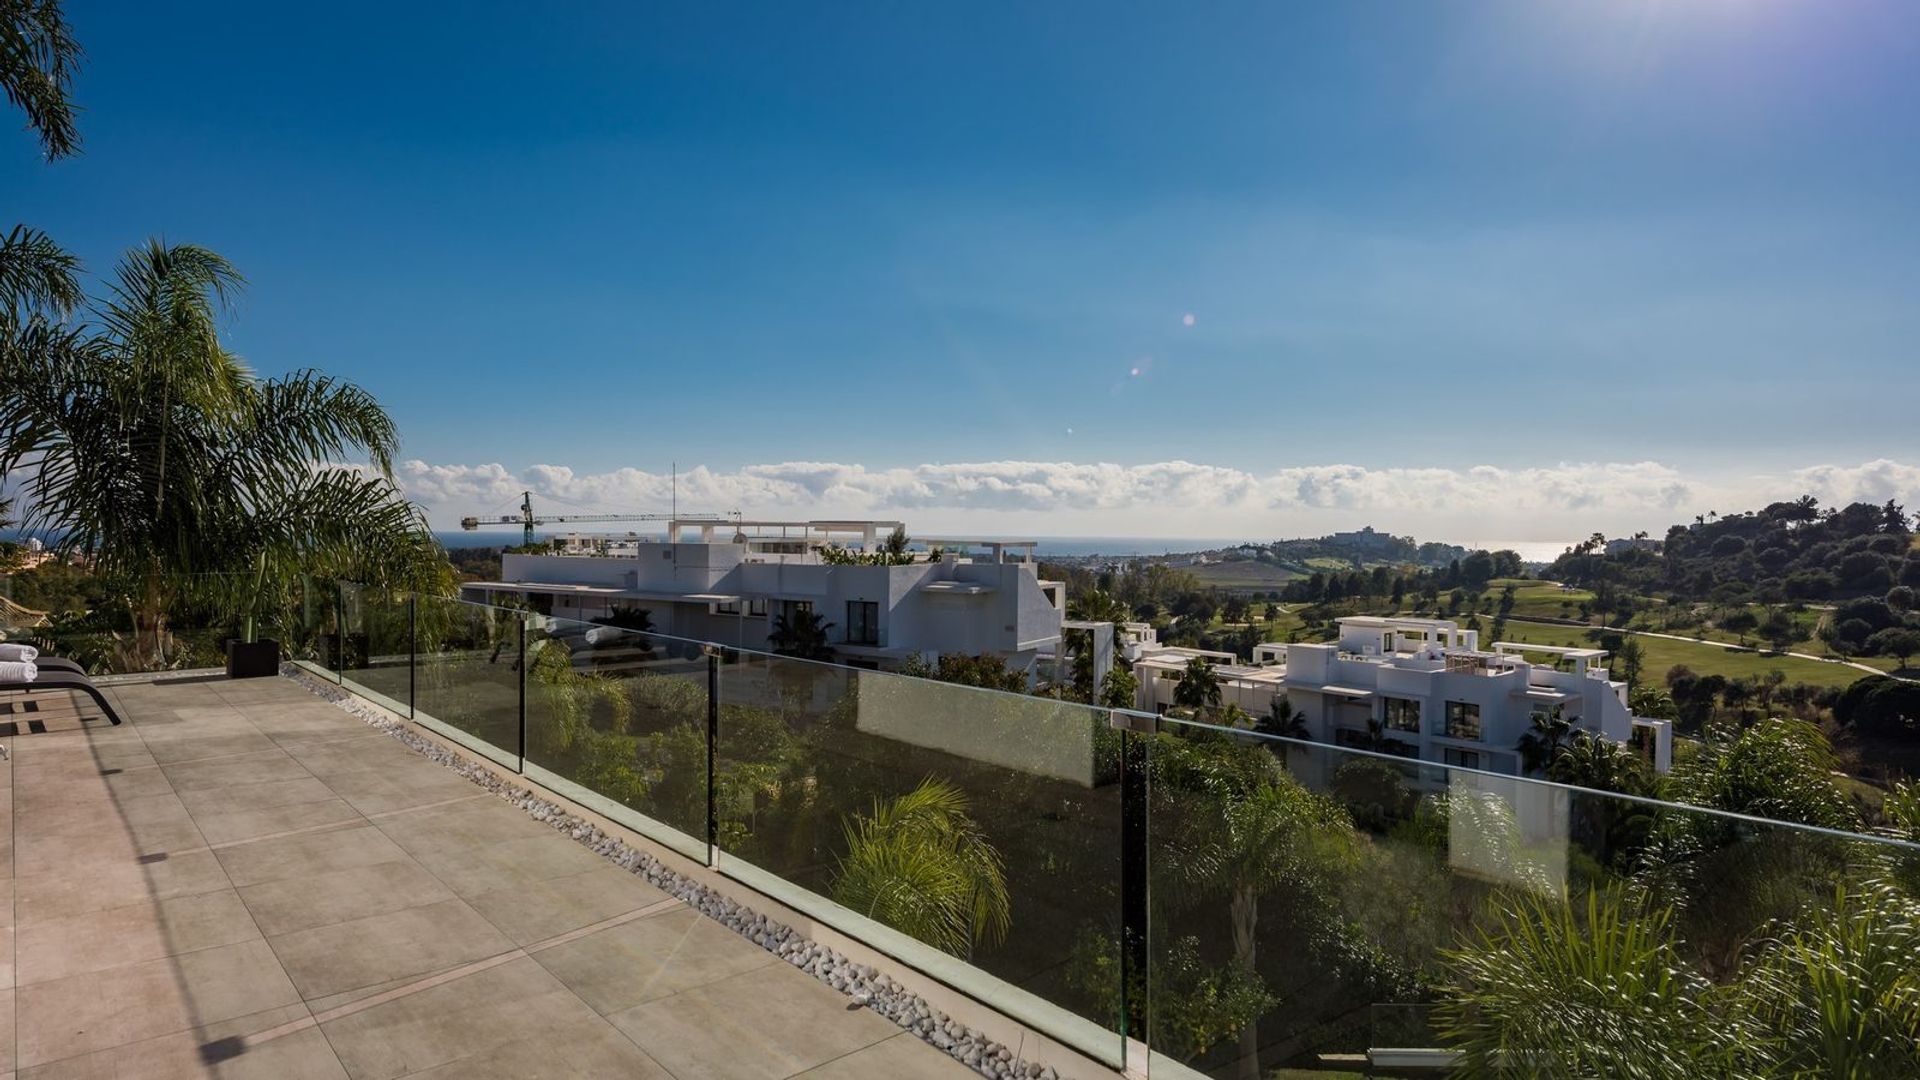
x=1420, y=688
x=727, y=582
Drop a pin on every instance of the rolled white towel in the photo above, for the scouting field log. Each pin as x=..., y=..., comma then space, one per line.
x=13, y=651
x=18, y=671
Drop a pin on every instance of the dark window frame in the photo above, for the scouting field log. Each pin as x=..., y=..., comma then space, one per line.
x=1389, y=706
x=1460, y=719
x=863, y=622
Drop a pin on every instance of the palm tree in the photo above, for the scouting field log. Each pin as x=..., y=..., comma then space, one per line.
x=1600, y=765
x=156, y=452
x=1238, y=826
x=1199, y=685
x=894, y=551
x=38, y=58
x=1606, y=994
x=1282, y=721
x=1546, y=737
x=1832, y=992
x=799, y=632
x=920, y=864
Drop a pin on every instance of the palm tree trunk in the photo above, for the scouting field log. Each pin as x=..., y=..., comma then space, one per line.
x=149, y=619
x=1245, y=909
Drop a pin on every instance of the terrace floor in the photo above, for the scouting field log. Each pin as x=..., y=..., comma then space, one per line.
x=245, y=881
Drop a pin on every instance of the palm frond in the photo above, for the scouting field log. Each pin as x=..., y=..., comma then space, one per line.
x=36, y=275
x=38, y=59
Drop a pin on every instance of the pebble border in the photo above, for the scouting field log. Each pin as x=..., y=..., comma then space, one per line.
x=864, y=985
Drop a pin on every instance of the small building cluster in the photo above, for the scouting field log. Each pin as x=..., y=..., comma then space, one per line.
x=1423, y=689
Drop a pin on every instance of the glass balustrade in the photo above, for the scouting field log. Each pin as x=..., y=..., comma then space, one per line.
x=1158, y=892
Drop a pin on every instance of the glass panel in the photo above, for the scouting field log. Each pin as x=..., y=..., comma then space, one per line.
x=1313, y=905
x=68, y=614
x=972, y=827
x=313, y=617
x=467, y=675
x=617, y=721
x=378, y=644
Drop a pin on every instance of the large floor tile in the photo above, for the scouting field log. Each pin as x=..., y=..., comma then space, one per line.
x=307, y=901
x=86, y=1013
x=651, y=957
x=305, y=854
x=517, y=864
x=255, y=796
x=384, y=791
x=577, y=1048
x=88, y=887
x=466, y=1019
x=52, y=797
x=234, y=770
x=112, y=830
x=59, y=948
x=770, y=1023
x=898, y=1058
x=327, y=758
x=553, y=907
x=75, y=755
x=207, y=747
x=466, y=825
x=204, y=1054
x=412, y=942
x=237, y=826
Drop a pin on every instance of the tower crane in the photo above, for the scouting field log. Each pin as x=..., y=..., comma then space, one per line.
x=528, y=520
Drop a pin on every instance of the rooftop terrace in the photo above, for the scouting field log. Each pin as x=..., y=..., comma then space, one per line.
x=244, y=880
x=717, y=862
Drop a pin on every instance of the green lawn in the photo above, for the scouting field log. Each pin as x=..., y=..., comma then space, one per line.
x=1538, y=598
x=1243, y=575
x=1329, y=564
x=1808, y=621
x=1704, y=659
x=1274, y=630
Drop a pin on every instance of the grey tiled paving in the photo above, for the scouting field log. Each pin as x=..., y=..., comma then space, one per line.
x=245, y=881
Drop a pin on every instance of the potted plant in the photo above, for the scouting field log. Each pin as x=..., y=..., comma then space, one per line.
x=251, y=656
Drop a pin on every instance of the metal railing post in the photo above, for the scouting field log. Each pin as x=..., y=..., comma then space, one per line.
x=713, y=753
x=413, y=650
x=339, y=633
x=521, y=624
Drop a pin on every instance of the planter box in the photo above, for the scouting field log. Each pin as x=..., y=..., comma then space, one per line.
x=253, y=660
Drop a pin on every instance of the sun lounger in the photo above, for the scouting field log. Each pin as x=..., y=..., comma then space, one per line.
x=62, y=678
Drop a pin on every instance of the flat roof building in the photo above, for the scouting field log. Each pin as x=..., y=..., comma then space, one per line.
x=728, y=582
x=1423, y=689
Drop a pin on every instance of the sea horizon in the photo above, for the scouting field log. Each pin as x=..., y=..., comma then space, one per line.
x=1538, y=551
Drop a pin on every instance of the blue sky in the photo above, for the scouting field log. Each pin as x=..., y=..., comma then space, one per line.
x=1621, y=236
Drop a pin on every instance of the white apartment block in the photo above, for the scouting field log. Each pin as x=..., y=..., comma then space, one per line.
x=1423, y=687
x=726, y=582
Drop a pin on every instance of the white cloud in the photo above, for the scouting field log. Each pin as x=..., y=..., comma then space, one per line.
x=1172, y=498
x=1874, y=482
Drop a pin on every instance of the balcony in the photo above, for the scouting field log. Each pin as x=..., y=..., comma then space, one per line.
x=244, y=879
x=460, y=840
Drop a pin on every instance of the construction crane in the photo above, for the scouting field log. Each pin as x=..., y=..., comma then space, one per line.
x=528, y=520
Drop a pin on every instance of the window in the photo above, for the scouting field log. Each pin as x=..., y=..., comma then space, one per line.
x=1463, y=720
x=757, y=606
x=1349, y=737
x=1401, y=714
x=1461, y=759
x=729, y=607
x=863, y=622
